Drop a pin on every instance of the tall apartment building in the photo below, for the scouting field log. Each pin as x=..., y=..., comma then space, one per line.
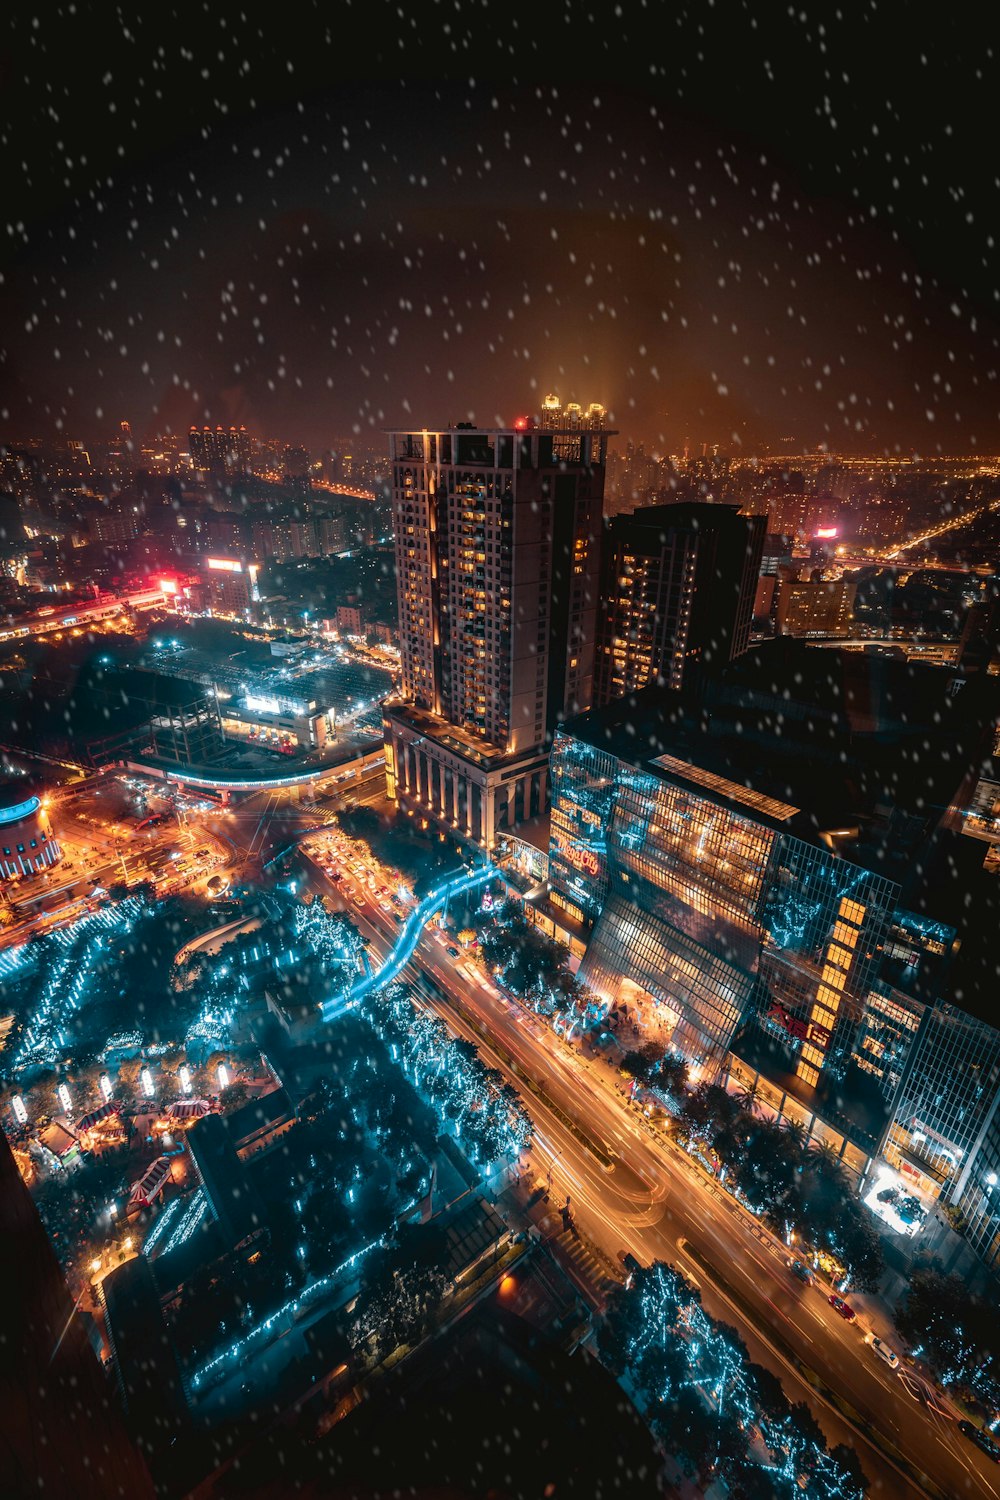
x=677, y=593
x=786, y=512
x=497, y=535
x=218, y=450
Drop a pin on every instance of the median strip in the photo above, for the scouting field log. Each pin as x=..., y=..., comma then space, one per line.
x=776, y=1339
x=533, y=1085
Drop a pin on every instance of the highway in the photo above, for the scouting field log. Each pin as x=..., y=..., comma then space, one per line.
x=655, y=1203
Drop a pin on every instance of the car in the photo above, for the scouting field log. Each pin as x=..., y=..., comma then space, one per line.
x=843, y=1308
x=452, y=952
x=981, y=1438
x=800, y=1270
x=883, y=1352
x=359, y=901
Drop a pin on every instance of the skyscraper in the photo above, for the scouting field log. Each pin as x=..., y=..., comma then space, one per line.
x=677, y=593
x=497, y=557
x=218, y=451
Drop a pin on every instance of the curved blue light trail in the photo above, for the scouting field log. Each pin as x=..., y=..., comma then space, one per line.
x=407, y=941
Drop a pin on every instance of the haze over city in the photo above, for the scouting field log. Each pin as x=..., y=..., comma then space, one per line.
x=499, y=754
x=737, y=233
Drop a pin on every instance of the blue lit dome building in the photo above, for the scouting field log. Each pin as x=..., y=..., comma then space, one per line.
x=27, y=844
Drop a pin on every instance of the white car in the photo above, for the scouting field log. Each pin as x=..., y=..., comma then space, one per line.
x=884, y=1353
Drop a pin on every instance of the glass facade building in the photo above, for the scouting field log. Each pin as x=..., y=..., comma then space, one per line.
x=801, y=950
x=703, y=900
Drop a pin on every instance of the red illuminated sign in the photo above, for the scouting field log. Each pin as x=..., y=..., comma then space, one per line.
x=583, y=859
x=799, y=1029
x=826, y=533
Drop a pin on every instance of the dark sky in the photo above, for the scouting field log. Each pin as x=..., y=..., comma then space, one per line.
x=726, y=226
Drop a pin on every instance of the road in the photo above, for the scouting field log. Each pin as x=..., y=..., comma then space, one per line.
x=655, y=1204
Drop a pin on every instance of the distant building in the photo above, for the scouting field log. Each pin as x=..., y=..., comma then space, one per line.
x=220, y=451
x=819, y=607
x=119, y=525
x=230, y=585
x=786, y=512
x=352, y=619
x=295, y=461
x=677, y=594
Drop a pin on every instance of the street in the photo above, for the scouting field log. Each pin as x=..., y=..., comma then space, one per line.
x=654, y=1203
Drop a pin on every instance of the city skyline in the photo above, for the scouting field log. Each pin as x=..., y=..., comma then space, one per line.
x=500, y=755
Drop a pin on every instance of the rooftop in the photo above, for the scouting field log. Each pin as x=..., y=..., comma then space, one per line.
x=455, y=737
x=862, y=754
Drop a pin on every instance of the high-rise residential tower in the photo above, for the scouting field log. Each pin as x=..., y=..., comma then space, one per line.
x=677, y=594
x=497, y=556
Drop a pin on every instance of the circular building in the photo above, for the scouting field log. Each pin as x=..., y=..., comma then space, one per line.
x=27, y=845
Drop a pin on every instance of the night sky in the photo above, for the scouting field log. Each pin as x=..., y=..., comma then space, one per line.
x=727, y=227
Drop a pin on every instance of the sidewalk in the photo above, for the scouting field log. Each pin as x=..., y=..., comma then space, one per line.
x=874, y=1313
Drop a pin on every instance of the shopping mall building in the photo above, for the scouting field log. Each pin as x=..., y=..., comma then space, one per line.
x=27, y=845
x=775, y=882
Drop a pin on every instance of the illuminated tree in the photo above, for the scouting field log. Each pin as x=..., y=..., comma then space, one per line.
x=705, y=1399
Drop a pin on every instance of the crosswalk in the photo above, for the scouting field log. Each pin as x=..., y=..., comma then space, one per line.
x=590, y=1270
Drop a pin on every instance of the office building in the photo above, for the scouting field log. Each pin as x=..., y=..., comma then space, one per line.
x=497, y=535
x=816, y=607
x=677, y=594
x=767, y=887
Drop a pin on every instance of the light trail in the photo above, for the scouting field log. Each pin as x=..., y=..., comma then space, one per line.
x=406, y=943
x=954, y=523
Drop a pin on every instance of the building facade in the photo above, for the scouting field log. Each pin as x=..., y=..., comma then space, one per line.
x=497, y=536
x=677, y=593
x=776, y=949
x=820, y=607
x=27, y=844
